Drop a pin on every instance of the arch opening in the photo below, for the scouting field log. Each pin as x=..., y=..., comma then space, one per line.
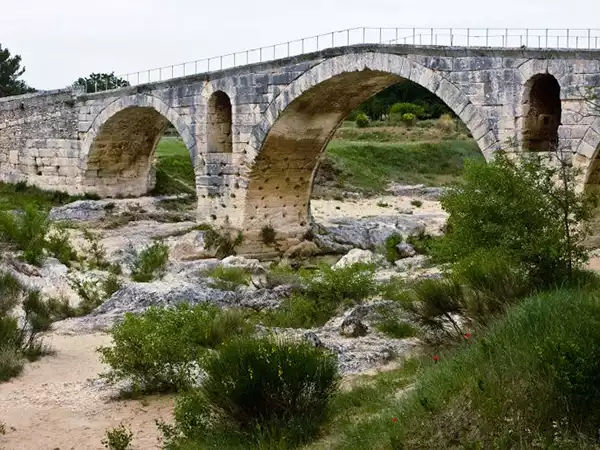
x=121, y=157
x=542, y=113
x=219, y=123
x=282, y=176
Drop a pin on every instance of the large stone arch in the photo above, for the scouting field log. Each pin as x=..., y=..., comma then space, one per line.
x=285, y=146
x=118, y=148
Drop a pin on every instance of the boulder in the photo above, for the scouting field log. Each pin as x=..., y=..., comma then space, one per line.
x=405, y=250
x=353, y=327
x=249, y=265
x=313, y=339
x=189, y=247
x=304, y=249
x=357, y=256
x=410, y=264
x=80, y=210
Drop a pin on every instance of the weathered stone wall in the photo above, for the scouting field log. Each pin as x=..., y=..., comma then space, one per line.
x=38, y=140
x=257, y=170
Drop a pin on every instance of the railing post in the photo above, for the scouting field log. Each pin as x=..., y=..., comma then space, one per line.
x=247, y=56
x=589, y=38
x=148, y=76
x=208, y=65
x=138, y=78
x=468, y=37
x=348, y=36
x=568, y=34
x=487, y=37
x=260, y=53
x=235, y=60
x=506, y=40
x=332, y=40
x=160, y=74
x=288, y=49
x=364, y=33
x=172, y=71
x=302, y=45
x=380, y=35
x=274, y=55
x=414, y=37
x=546, y=37
x=526, y=37
x=451, y=38
x=432, y=36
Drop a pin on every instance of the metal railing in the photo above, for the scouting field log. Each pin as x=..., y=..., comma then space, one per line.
x=442, y=37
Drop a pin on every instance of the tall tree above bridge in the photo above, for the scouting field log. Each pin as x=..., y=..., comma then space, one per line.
x=97, y=82
x=10, y=71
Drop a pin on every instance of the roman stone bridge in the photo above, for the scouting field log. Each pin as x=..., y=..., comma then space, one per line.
x=255, y=133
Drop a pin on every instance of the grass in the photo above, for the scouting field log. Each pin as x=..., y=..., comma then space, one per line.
x=18, y=196
x=531, y=381
x=174, y=169
x=371, y=166
x=229, y=278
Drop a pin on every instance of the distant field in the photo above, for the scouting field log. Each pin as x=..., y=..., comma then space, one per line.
x=174, y=170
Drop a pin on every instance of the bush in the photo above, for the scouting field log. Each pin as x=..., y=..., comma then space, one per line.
x=519, y=207
x=20, y=340
x=401, y=109
x=391, y=253
x=94, y=251
x=362, y=121
x=416, y=203
x=150, y=263
x=395, y=328
x=268, y=234
x=229, y=278
x=409, y=119
x=532, y=382
x=260, y=390
x=160, y=350
x=423, y=243
x=58, y=245
x=119, y=438
x=27, y=231
x=446, y=123
x=322, y=294
x=224, y=243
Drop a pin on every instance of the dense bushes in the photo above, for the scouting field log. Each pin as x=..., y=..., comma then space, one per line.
x=229, y=278
x=519, y=207
x=321, y=295
x=362, y=121
x=259, y=390
x=150, y=263
x=20, y=340
x=160, y=349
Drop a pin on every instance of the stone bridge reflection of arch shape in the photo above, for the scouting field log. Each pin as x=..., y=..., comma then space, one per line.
x=255, y=131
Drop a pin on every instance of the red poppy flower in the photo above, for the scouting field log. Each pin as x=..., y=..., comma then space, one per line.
x=394, y=419
x=436, y=358
x=467, y=335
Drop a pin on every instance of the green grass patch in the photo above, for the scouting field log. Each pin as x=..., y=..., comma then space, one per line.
x=174, y=169
x=18, y=196
x=371, y=166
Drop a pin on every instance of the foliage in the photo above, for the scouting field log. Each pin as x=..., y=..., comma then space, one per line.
x=395, y=328
x=362, y=121
x=446, y=122
x=150, y=263
x=416, y=203
x=97, y=82
x=400, y=109
x=10, y=72
x=58, y=245
x=223, y=242
x=95, y=252
x=160, y=349
x=422, y=242
x=27, y=231
x=90, y=292
x=321, y=295
x=409, y=119
x=268, y=234
x=390, y=250
x=257, y=391
x=528, y=208
x=20, y=339
x=229, y=278
x=18, y=196
x=119, y=438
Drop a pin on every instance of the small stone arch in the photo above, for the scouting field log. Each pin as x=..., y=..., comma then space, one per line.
x=219, y=123
x=285, y=146
x=119, y=147
x=542, y=111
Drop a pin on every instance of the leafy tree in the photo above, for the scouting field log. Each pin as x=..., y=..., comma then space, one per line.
x=10, y=71
x=97, y=82
x=528, y=207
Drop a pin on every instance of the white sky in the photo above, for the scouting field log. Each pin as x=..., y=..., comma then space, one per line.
x=61, y=40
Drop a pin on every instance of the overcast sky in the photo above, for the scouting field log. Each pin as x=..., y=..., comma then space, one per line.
x=61, y=40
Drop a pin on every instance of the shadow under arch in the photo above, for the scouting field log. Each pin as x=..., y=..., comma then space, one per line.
x=119, y=148
x=285, y=147
x=542, y=110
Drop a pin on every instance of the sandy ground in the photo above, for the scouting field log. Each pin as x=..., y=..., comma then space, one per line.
x=53, y=404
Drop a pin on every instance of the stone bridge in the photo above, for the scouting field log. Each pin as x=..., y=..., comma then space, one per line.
x=255, y=133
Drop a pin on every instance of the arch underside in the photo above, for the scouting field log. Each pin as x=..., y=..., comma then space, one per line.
x=120, y=158
x=281, y=180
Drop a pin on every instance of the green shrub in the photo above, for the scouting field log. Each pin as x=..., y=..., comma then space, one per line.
x=396, y=328
x=223, y=242
x=423, y=243
x=20, y=340
x=111, y=285
x=260, y=391
x=391, y=253
x=160, y=349
x=58, y=245
x=322, y=294
x=362, y=120
x=519, y=207
x=531, y=382
x=409, y=119
x=94, y=251
x=150, y=263
x=90, y=293
x=268, y=235
x=416, y=203
x=401, y=109
x=119, y=438
x=229, y=278
x=27, y=231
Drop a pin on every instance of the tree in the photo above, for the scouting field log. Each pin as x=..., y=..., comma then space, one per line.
x=97, y=82
x=10, y=71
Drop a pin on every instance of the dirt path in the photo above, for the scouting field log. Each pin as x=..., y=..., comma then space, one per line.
x=54, y=404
